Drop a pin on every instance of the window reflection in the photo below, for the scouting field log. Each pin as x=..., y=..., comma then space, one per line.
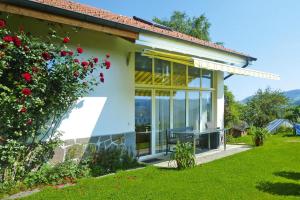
x=206, y=78
x=143, y=69
x=179, y=74
x=206, y=110
x=162, y=74
x=179, y=109
x=194, y=77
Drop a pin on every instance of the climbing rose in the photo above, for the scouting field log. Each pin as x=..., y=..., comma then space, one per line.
x=66, y=40
x=95, y=60
x=2, y=23
x=107, y=55
x=107, y=64
x=76, y=60
x=63, y=53
x=101, y=74
x=91, y=64
x=17, y=41
x=26, y=91
x=7, y=38
x=84, y=63
x=71, y=53
x=27, y=77
x=102, y=79
x=23, y=109
x=46, y=56
x=26, y=49
x=29, y=122
x=79, y=50
x=76, y=74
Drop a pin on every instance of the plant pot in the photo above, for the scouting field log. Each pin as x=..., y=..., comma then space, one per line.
x=258, y=142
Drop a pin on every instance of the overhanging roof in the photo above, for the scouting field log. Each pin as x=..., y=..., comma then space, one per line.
x=207, y=64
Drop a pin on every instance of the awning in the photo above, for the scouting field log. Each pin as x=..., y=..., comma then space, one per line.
x=207, y=64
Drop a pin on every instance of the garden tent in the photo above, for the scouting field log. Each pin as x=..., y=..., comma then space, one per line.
x=297, y=129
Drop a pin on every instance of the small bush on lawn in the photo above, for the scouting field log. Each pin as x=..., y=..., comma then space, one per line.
x=65, y=172
x=258, y=135
x=110, y=160
x=184, y=155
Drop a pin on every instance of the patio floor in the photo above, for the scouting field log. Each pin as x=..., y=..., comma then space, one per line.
x=206, y=156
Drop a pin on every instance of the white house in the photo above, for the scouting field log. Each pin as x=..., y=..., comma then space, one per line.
x=159, y=78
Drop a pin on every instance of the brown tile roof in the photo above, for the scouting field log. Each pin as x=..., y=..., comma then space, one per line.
x=107, y=15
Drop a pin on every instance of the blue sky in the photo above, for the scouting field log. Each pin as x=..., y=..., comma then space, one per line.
x=268, y=30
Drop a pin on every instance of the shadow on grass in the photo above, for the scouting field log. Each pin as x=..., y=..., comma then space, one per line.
x=285, y=189
x=289, y=175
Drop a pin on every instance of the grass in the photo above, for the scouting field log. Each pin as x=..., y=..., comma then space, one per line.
x=247, y=139
x=268, y=172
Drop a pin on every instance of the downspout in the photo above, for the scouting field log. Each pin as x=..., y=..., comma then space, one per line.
x=244, y=66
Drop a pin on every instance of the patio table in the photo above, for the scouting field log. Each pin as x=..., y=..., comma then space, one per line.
x=197, y=133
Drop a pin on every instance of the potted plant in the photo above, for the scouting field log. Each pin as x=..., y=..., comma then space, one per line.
x=184, y=155
x=259, y=135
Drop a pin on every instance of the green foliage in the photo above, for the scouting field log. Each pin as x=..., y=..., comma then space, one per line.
x=232, y=110
x=74, y=152
x=293, y=114
x=179, y=21
x=110, y=160
x=184, y=155
x=258, y=135
x=264, y=107
x=65, y=172
x=41, y=79
x=284, y=130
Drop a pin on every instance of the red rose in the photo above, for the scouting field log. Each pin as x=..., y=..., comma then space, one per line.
x=66, y=40
x=23, y=110
x=17, y=41
x=26, y=49
x=29, y=122
x=7, y=38
x=85, y=67
x=76, y=60
x=26, y=91
x=107, y=64
x=101, y=74
x=102, y=80
x=95, y=60
x=76, y=74
x=2, y=23
x=71, y=53
x=46, y=56
x=84, y=63
x=79, y=50
x=107, y=55
x=91, y=64
x=63, y=53
x=27, y=77
x=35, y=69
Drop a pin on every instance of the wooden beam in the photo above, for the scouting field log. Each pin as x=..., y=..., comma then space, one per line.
x=65, y=20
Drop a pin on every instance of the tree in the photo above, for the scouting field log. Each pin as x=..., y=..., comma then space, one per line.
x=293, y=114
x=232, y=109
x=264, y=107
x=179, y=21
x=40, y=81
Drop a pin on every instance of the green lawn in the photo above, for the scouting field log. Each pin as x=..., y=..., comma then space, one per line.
x=268, y=172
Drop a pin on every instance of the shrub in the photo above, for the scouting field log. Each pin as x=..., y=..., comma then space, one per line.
x=110, y=160
x=184, y=155
x=40, y=81
x=76, y=151
x=259, y=135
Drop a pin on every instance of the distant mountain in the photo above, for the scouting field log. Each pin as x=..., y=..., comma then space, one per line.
x=293, y=95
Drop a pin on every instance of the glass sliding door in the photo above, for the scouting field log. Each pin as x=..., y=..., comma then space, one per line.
x=143, y=119
x=162, y=119
x=206, y=110
x=179, y=109
x=194, y=109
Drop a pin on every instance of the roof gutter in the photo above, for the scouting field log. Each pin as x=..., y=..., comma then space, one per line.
x=84, y=17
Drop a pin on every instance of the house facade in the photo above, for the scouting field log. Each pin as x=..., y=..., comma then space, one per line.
x=159, y=78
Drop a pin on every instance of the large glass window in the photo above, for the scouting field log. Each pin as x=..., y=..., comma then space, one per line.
x=162, y=71
x=179, y=74
x=179, y=110
x=207, y=79
x=162, y=119
x=194, y=77
x=143, y=110
x=194, y=109
x=143, y=69
x=206, y=110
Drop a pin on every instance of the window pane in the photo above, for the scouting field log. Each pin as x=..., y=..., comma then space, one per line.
x=206, y=110
x=162, y=72
x=207, y=79
x=194, y=77
x=162, y=119
x=143, y=110
x=194, y=110
x=179, y=109
x=143, y=69
x=179, y=74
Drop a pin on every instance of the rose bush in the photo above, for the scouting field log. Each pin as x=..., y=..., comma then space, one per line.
x=40, y=81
